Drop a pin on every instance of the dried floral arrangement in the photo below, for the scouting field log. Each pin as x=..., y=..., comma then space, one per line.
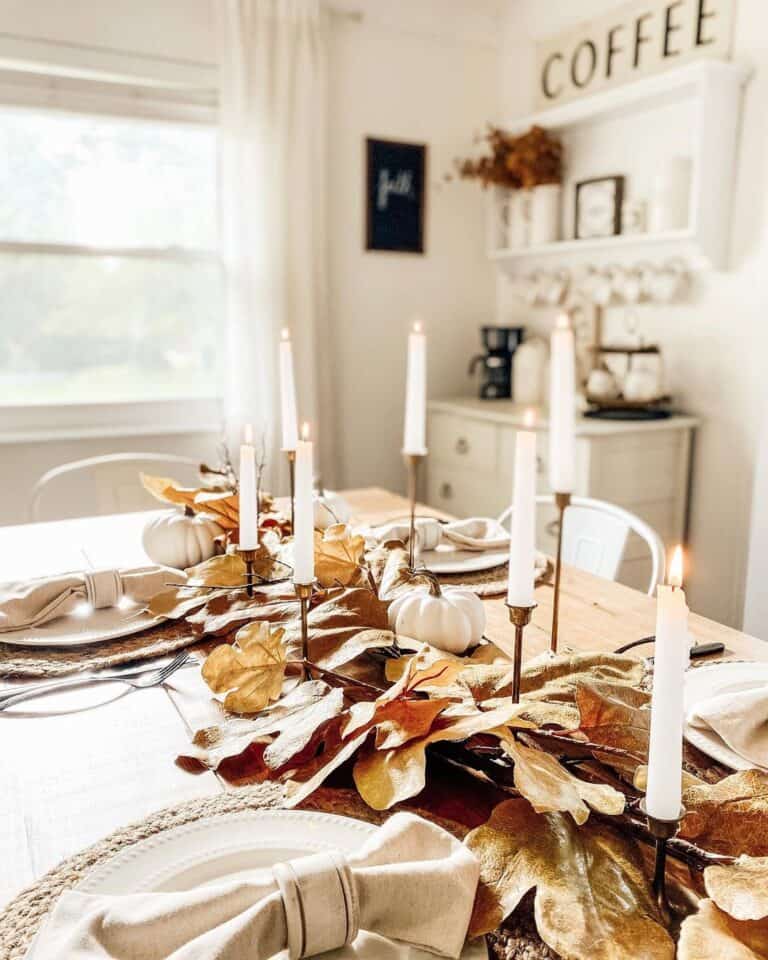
x=566, y=763
x=529, y=160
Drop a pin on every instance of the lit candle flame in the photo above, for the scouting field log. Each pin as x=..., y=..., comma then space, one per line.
x=285, y=333
x=563, y=321
x=305, y=431
x=676, y=567
x=248, y=433
x=417, y=326
x=529, y=417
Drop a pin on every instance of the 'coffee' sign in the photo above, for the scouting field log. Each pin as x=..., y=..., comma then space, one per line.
x=633, y=41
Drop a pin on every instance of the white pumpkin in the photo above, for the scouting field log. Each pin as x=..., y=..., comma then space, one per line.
x=449, y=618
x=180, y=539
x=330, y=508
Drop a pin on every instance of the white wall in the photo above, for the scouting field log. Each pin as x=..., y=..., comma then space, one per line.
x=714, y=345
x=426, y=72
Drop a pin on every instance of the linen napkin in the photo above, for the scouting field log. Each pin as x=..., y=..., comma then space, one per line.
x=412, y=881
x=739, y=718
x=34, y=602
x=475, y=533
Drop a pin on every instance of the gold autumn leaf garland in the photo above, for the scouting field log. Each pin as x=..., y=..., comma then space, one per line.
x=592, y=899
x=584, y=713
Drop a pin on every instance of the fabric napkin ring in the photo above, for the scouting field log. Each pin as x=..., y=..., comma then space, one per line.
x=103, y=588
x=320, y=901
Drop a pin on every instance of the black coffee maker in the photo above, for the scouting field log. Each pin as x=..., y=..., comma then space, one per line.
x=500, y=344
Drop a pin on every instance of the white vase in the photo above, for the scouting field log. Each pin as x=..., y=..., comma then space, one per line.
x=519, y=219
x=545, y=214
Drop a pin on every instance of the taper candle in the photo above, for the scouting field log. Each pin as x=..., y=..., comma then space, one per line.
x=304, y=527
x=287, y=393
x=665, y=754
x=562, y=407
x=522, y=547
x=249, y=534
x=415, y=429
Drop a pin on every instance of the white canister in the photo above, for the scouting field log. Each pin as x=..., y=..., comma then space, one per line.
x=671, y=196
x=529, y=365
x=545, y=214
x=519, y=219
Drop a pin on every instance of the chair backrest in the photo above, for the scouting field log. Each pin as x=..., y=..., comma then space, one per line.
x=103, y=485
x=595, y=536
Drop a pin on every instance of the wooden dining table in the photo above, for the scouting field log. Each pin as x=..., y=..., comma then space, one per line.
x=76, y=766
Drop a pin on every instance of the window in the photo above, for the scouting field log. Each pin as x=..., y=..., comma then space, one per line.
x=109, y=281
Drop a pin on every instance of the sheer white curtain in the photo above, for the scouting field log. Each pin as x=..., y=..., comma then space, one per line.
x=272, y=124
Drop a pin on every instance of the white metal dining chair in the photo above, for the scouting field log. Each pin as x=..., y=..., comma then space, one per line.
x=595, y=536
x=104, y=485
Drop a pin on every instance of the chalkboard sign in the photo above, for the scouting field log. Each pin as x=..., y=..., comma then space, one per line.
x=395, y=196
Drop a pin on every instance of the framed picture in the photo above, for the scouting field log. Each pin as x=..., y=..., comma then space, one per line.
x=395, y=187
x=598, y=207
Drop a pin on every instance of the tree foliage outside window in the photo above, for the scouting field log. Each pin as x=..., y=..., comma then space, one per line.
x=110, y=286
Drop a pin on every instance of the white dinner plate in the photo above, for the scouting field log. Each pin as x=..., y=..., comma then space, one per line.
x=233, y=845
x=710, y=680
x=448, y=558
x=98, y=626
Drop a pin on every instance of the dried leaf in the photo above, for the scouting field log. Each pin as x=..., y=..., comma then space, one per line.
x=302, y=727
x=612, y=716
x=386, y=777
x=730, y=816
x=550, y=788
x=593, y=901
x=223, y=506
x=175, y=603
x=741, y=888
x=336, y=621
x=338, y=555
x=710, y=934
x=332, y=760
x=233, y=735
x=250, y=672
x=224, y=571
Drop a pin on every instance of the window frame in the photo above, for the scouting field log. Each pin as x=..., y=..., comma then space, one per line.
x=70, y=420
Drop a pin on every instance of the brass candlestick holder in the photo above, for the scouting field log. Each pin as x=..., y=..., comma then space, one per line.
x=249, y=558
x=304, y=593
x=291, y=454
x=662, y=831
x=562, y=502
x=412, y=461
x=520, y=617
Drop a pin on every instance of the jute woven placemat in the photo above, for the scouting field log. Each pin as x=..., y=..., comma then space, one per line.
x=23, y=917
x=18, y=663
x=490, y=583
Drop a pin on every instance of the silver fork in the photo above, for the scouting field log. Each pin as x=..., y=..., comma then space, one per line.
x=139, y=679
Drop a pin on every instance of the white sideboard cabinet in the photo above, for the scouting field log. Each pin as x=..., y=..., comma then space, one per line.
x=642, y=466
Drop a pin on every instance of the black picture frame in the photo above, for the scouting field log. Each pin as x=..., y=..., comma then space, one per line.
x=618, y=200
x=395, y=192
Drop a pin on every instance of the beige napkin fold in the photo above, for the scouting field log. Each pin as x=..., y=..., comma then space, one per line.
x=477, y=533
x=412, y=881
x=474, y=533
x=739, y=718
x=34, y=602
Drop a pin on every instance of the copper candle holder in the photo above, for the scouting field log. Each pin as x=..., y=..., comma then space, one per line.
x=304, y=594
x=412, y=461
x=249, y=558
x=291, y=454
x=662, y=832
x=562, y=502
x=520, y=617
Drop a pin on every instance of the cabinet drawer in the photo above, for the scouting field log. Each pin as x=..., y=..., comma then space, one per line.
x=628, y=471
x=464, y=493
x=462, y=442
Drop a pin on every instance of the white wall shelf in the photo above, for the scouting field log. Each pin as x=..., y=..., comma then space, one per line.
x=631, y=130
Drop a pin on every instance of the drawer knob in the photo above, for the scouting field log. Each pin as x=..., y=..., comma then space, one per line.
x=539, y=464
x=553, y=528
x=446, y=491
x=462, y=446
